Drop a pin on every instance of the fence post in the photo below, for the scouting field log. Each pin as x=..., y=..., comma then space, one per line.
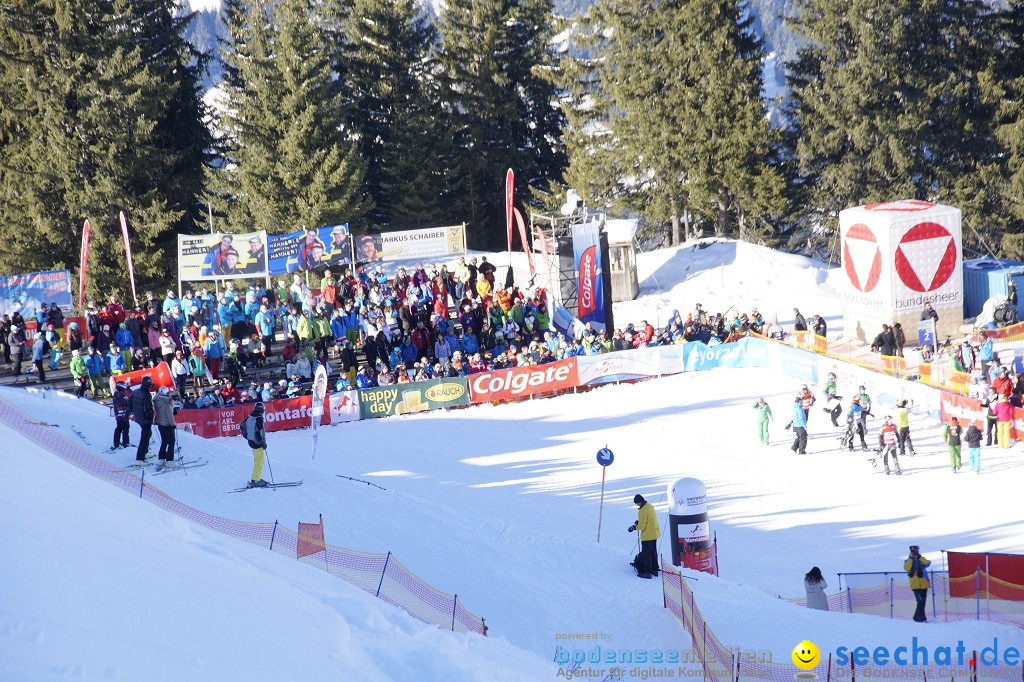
x=853, y=670
x=386, y=560
x=828, y=668
x=736, y=675
x=977, y=593
x=273, y=534
x=849, y=602
x=455, y=605
x=933, y=598
x=704, y=645
x=892, y=581
x=974, y=666
x=142, y=483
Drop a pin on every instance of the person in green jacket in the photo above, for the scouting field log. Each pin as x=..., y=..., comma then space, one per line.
x=79, y=373
x=764, y=415
x=650, y=531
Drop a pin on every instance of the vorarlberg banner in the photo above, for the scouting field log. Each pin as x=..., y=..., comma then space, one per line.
x=421, y=396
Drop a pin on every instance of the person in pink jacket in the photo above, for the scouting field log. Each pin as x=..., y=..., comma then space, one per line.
x=1004, y=415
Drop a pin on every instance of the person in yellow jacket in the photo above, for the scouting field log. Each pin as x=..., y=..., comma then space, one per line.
x=916, y=567
x=650, y=531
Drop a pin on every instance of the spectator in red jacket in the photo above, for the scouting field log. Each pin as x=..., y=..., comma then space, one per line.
x=1002, y=384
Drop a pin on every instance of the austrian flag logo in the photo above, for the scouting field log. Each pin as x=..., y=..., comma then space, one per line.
x=926, y=257
x=862, y=257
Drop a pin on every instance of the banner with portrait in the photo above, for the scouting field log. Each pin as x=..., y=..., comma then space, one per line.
x=310, y=249
x=24, y=293
x=434, y=242
x=222, y=256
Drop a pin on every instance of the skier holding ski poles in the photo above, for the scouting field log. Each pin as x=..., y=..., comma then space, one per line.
x=253, y=431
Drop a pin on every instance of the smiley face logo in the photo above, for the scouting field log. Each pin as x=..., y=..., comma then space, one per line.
x=806, y=655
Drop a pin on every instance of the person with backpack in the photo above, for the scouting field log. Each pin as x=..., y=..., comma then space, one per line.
x=951, y=434
x=122, y=415
x=646, y=563
x=252, y=430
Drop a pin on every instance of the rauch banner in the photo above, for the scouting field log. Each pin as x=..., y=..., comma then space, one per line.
x=421, y=396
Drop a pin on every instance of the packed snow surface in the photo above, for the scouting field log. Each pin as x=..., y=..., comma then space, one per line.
x=499, y=504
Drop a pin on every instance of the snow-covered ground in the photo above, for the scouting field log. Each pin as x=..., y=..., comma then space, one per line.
x=499, y=504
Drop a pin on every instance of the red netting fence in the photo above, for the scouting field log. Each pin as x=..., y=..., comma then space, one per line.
x=379, y=574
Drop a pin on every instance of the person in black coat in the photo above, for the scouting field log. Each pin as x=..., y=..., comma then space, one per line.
x=885, y=342
x=820, y=328
x=799, y=321
x=929, y=312
x=142, y=412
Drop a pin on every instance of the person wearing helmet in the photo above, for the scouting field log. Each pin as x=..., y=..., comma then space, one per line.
x=807, y=399
x=903, y=426
x=855, y=421
x=163, y=410
x=865, y=401
x=142, y=411
x=832, y=405
x=253, y=431
x=799, y=426
x=122, y=414
x=887, y=445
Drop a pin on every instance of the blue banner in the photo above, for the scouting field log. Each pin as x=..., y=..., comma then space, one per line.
x=24, y=293
x=309, y=249
x=747, y=352
x=586, y=246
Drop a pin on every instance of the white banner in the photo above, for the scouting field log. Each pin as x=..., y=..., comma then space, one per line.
x=629, y=365
x=343, y=406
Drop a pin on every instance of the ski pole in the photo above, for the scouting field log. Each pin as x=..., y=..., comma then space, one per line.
x=270, y=468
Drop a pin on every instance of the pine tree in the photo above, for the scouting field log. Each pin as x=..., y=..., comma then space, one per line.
x=101, y=113
x=674, y=97
x=288, y=160
x=494, y=55
x=888, y=104
x=386, y=57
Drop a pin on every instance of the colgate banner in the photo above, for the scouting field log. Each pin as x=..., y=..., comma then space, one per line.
x=586, y=246
x=518, y=382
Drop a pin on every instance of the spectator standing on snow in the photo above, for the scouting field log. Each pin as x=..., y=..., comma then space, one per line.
x=815, y=586
x=799, y=427
x=163, y=413
x=764, y=415
x=253, y=431
x=973, y=440
x=951, y=434
x=1004, y=415
x=916, y=567
x=16, y=342
x=142, y=412
x=856, y=419
x=989, y=403
x=650, y=531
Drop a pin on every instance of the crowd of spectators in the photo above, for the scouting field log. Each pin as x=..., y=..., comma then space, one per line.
x=367, y=328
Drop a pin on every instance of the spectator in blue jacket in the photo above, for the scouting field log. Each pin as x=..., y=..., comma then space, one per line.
x=409, y=353
x=94, y=365
x=799, y=424
x=115, y=361
x=364, y=379
x=264, y=322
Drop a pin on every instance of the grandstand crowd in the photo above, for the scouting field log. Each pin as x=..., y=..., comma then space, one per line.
x=247, y=342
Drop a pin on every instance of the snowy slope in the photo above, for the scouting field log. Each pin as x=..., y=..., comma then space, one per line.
x=500, y=504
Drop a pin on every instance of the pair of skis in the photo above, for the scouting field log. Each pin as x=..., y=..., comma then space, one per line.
x=270, y=486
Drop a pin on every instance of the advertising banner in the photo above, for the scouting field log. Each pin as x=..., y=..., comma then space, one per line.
x=280, y=415
x=343, y=407
x=519, y=382
x=629, y=365
x=161, y=375
x=309, y=249
x=586, y=247
x=747, y=352
x=434, y=242
x=222, y=256
x=964, y=409
x=24, y=293
x=421, y=396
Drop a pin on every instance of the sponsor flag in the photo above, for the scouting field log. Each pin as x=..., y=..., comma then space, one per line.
x=84, y=259
x=316, y=411
x=510, y=185
x=128, y=254
x=586, y=245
